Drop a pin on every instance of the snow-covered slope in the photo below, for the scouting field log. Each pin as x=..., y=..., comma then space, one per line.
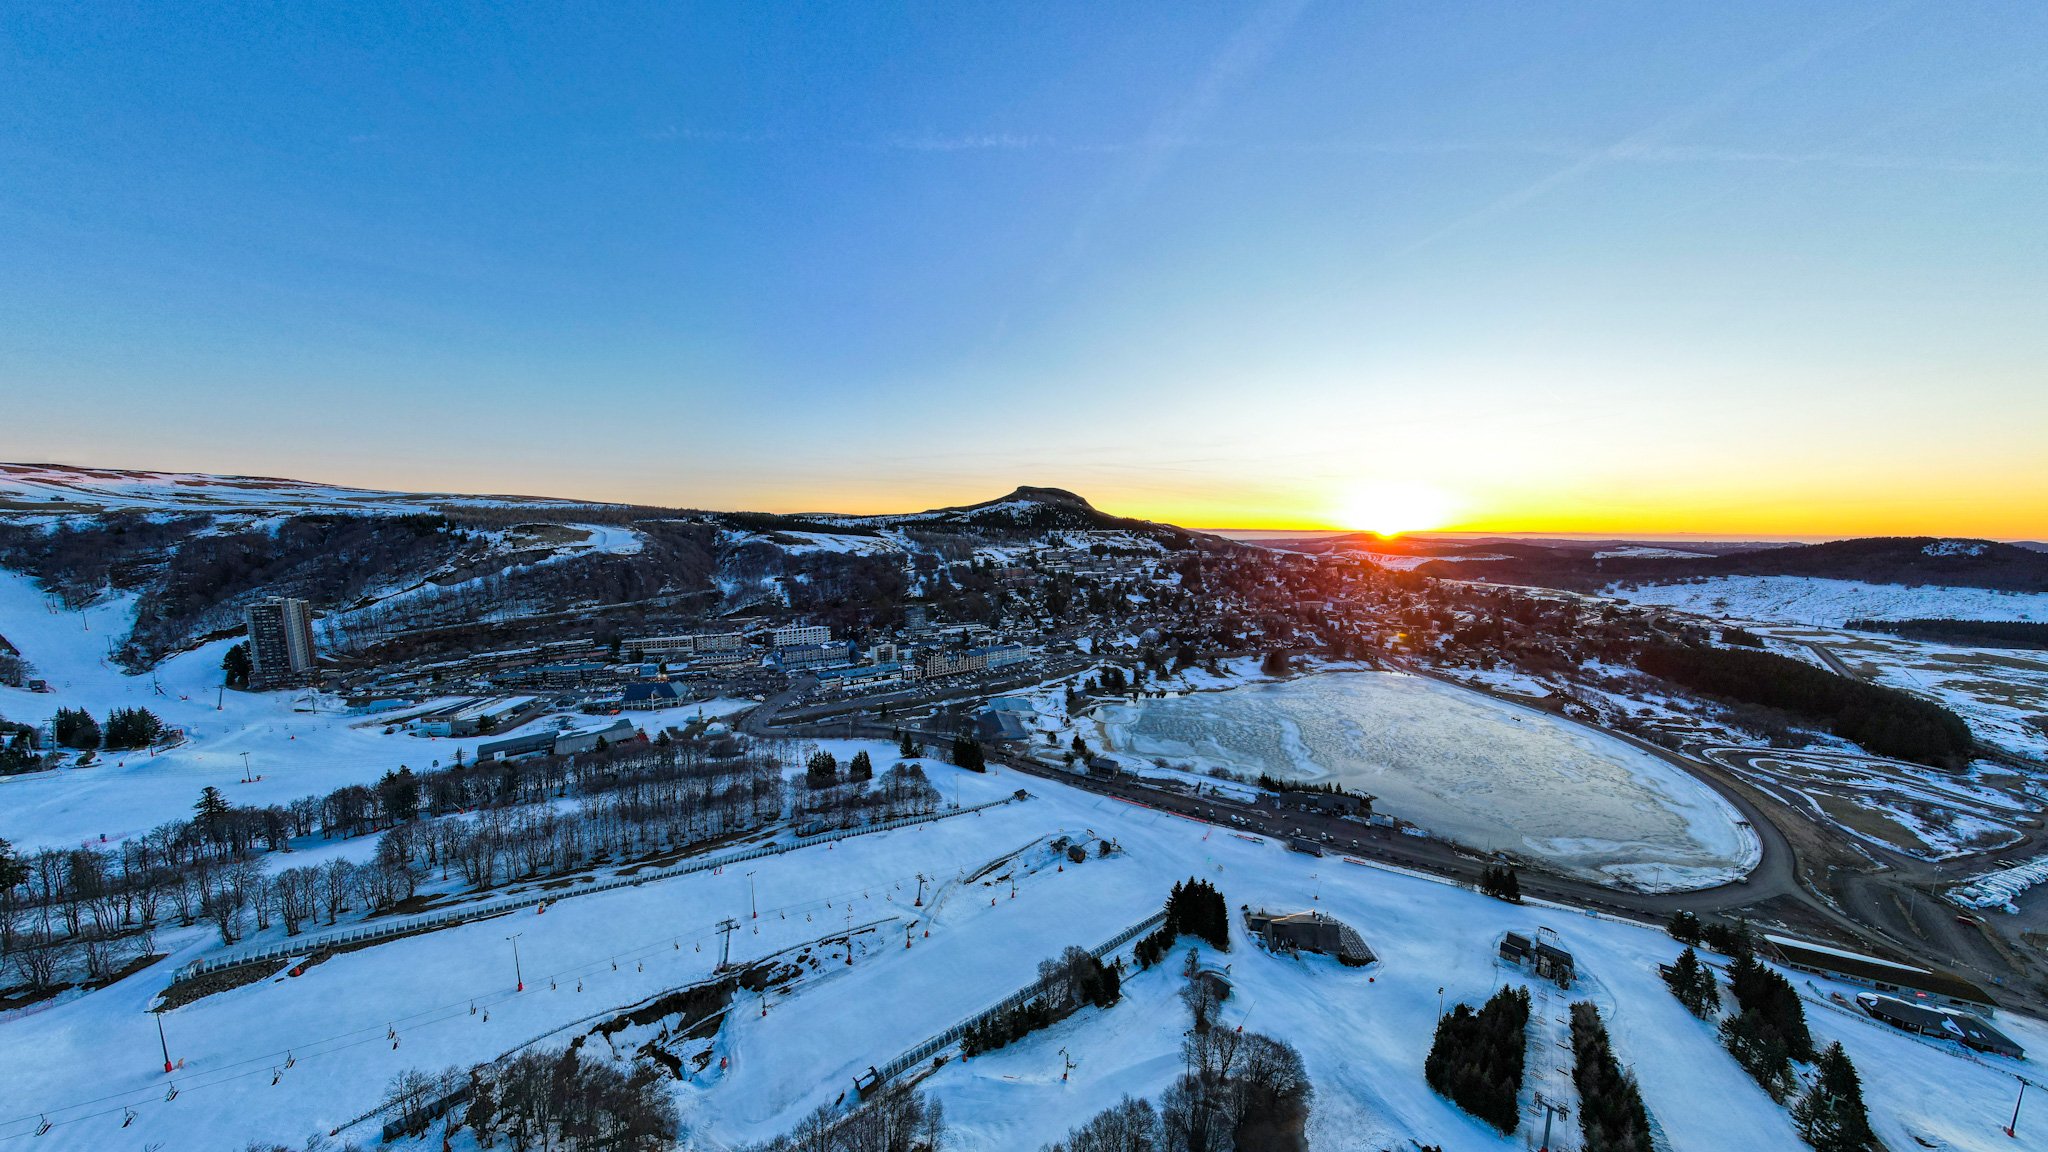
x=1362, y=1032
x=1832, y=603
x=61, y=489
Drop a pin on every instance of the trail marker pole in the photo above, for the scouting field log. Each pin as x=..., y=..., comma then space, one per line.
x=518, y=977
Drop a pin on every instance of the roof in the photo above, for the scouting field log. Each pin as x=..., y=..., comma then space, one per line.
x=1012, y=704
x=1826, y=959
x=1002, y=726
x=658, y=690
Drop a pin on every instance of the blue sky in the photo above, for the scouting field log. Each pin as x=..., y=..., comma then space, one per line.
x=1770, y=267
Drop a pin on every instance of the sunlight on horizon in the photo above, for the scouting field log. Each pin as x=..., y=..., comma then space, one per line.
x=1391, y=509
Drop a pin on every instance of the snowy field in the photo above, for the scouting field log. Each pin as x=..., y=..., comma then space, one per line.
x=1833, y=603
x=1362, y=1032
x=294, y=753
x=1464, y=765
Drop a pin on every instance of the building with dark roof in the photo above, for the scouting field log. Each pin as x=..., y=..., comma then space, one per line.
x=1942, y=1024
x=1883, y=975
x=1310, y=932
x=659, y=694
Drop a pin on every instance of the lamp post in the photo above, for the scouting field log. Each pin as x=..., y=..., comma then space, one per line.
x=753, y=912
x=166, y=1046
x=518, y=977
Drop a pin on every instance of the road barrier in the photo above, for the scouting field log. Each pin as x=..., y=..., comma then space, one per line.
x=312, y=942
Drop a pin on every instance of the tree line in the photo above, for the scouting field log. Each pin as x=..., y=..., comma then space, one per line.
x=1883, y=720
x=1611, y=1113
x=1967, y=633
x=484, y=825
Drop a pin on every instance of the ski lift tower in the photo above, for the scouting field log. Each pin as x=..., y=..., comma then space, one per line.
x=727, y=927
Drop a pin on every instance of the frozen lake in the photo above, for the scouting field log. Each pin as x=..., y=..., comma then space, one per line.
x=1462, y=764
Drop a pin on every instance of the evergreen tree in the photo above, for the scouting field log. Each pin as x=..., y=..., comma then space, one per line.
x=1611, y=1113
x=822, y=771
x=237, y=666
x=75, y=728
x=1831, y=1116
x=210, y=812
x=907, y=747
x=132, y=728
x=967, y=754
x=1685, y=927
x=1477, y=1058
x=1501, y=882
x=1694, y=985
x=861, y=767
x=1761, y=990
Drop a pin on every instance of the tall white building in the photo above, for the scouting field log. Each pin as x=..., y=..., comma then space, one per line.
x=802, y=634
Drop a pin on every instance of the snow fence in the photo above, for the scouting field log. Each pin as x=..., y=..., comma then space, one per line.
x=309, y=943
x=1025, y=995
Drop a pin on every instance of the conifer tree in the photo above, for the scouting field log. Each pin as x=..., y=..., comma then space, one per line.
x=1831, y=1116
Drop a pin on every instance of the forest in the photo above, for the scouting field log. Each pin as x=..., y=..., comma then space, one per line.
x=1883, y=720
x=1964, y=633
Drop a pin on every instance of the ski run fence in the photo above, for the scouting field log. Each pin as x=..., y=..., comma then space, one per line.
x=1030, y=992
x=311, y=942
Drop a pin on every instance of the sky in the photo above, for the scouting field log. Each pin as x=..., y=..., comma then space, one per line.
x=1771, y=268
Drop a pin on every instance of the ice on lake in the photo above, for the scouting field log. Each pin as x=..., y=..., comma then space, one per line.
x=1467, y=766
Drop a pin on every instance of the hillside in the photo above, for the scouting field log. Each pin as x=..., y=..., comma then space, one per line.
x=384, y=567
x=1909, y=560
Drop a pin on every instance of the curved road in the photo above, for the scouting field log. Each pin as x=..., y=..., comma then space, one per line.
x=1810, y=873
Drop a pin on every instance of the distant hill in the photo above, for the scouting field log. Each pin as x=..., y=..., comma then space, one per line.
x=1951, y=563
x=394, y=567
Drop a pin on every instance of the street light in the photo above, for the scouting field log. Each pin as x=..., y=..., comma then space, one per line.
x=753, y=913
x=518, y=976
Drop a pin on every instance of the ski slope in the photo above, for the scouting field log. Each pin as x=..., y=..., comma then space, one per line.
x=1362, y=1032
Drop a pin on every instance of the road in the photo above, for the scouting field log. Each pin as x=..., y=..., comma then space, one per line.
x=1810, y=877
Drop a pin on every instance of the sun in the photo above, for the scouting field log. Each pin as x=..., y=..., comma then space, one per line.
x=1391, y=509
